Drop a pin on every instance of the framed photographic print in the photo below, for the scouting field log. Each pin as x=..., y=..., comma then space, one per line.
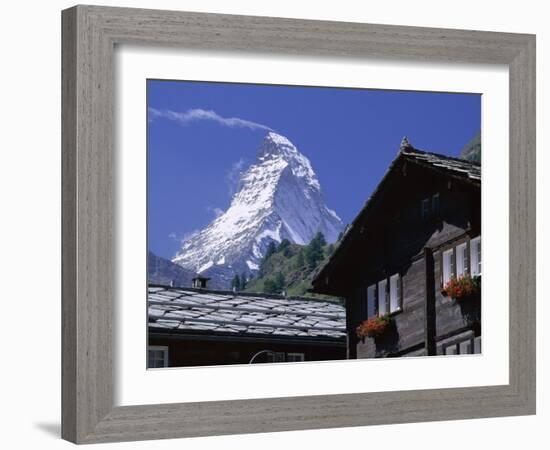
x=270, y=275
x=266, y=222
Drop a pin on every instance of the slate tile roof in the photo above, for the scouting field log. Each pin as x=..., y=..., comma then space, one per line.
x=454, y=166
x=188, y=310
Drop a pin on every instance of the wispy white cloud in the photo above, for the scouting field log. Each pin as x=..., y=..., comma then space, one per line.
x=216, y=211
x=181, y=238
x=233, y=175
x=193, y=115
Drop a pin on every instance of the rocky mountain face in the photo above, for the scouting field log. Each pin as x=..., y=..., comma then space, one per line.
x=279, y=197
x=472, y=150
x=165, y=272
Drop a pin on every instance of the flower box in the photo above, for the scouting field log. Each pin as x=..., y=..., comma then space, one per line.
x=462, y=288
x=374, y=327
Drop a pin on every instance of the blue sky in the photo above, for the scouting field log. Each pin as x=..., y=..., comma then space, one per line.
x=201, y=135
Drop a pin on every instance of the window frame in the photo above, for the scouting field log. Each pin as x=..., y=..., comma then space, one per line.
x=374, y=300
x=425, y=207
x=273, y=357
x=399, y=288
x=478, y=258
x=464, y=246
x=294, y=354
x=452, y=266
x=382, y=298
x=468, y=242
x=471, y=343
x=166, y=354
x=436, y=204
x=387, y=296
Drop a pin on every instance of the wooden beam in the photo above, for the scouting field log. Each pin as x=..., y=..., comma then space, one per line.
x=429, y=327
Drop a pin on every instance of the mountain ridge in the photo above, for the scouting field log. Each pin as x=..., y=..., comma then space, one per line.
x=279, y=197
x=472, y=150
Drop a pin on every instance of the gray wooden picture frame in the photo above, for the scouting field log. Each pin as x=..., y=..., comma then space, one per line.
x=89, y=36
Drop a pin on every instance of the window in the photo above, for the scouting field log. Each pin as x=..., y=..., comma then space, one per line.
x=466, y=257
x=448, y=268
x=451, y=349
x=462, y=266
x=475, y=255
x=295, y=357
x=371, y=301
x=382, y=298
x=157, y=356
x=275, y=357
x=425, y=208
x=465, y=347
x=395, y=293
x=435, y=204
x=430, y=206
x=477, y=345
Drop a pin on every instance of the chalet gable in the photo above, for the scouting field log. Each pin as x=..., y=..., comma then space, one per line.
x=410, y=177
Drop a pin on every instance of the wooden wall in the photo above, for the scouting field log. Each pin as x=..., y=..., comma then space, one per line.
x=207, y=352
x=394, y=241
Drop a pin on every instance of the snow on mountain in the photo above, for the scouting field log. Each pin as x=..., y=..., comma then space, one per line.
x=279, y=197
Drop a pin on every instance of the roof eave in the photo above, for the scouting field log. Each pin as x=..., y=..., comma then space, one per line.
x=407, y=153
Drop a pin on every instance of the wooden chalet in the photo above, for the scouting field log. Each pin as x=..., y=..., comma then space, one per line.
x=420, y=228
x=201, y=327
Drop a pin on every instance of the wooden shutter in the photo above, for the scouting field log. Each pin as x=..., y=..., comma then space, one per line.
x=395, y=293
x=371, y=300
x=382, y=297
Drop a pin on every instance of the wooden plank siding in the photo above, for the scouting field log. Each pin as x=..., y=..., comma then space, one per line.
x=409, y=324
x=196, y=351
x=395, y=241
x=452, y=316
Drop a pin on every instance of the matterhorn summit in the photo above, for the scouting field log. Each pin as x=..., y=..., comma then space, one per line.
x=279, y=197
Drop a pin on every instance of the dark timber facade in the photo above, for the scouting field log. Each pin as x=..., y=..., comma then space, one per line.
x=421, y=226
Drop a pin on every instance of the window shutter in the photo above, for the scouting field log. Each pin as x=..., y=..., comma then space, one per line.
x=382, y=297
x=400, y=296
x=395, y=294
x=453, y=262
x=467, y=258
x=461, y=260
x=475, y=255
x=371, y=300
x=479, y=256
x=447, y=265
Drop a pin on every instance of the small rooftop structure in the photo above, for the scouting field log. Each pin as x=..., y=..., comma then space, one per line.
x=200, y=311
x=200, y=282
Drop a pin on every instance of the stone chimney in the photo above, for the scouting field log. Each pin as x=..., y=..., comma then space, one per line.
x=200, y=282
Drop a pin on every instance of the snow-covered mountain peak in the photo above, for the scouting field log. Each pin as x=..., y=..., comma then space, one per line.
x=276, y=145
x=279, y=139
x=279, y=197
x=277, y=149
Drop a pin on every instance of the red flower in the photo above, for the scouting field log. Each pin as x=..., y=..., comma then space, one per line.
x=373, y=327
x=462, y=287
